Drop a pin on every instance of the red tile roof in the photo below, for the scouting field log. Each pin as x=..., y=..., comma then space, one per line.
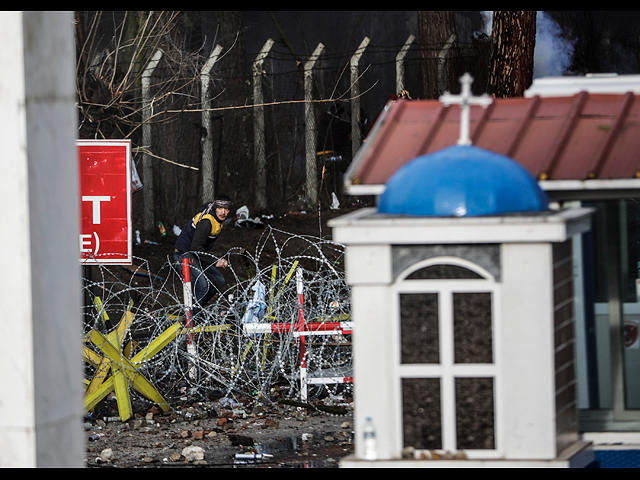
x=586, y=142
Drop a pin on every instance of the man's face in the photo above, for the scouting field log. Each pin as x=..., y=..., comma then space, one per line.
x=222, y=213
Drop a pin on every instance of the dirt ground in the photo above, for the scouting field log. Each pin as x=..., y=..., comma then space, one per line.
x=218, y=432
x=207, y=435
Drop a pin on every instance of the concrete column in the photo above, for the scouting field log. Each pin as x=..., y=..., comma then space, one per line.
x=147, y=160
x=310, y=132
x=356, y=141
x=207, y=146
x=258, y=128
x=40, y=317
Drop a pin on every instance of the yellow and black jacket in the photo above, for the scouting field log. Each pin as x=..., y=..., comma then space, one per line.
x=199, y=234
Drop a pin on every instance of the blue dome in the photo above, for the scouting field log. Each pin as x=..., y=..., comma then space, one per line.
x=462, y=181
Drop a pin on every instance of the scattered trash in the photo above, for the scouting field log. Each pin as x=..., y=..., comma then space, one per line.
x=243, y=220
x=94, y=438
x=107, y=455
x=257, y=306
x=242, y=214
x=163, y=231
x=138, y=241
x=226, y=401
x=136, y=184
x=252, y=456
x=151, y=243
x=177, y=230
x=335, y=203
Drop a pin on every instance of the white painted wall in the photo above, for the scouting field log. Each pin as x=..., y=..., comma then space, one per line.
x=528, y=351
x=40, y=358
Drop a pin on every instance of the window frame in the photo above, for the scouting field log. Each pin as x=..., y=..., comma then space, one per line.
x=447, y=371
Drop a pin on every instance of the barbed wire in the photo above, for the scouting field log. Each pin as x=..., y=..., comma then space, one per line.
x=218, y=357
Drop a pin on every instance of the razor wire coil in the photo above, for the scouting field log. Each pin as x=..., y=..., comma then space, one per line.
x=224, y=359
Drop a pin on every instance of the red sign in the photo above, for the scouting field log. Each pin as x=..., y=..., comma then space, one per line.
x=105, y=201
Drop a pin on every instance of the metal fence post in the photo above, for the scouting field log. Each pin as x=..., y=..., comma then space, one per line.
x=147, y=165
x=311, y=190
x=355, y=97
x=207, y=148
x=442, y=59
x=258, y=130
x=400, y=64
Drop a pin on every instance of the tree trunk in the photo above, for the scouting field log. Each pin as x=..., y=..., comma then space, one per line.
x=513, y=39
x=436, y=30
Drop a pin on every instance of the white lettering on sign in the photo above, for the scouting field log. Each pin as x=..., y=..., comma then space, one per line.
x=85, y=243
x=96, y=199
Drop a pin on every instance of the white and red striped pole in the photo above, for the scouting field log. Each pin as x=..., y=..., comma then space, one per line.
x=187, y=292
x=188, y=308
x=300, y=327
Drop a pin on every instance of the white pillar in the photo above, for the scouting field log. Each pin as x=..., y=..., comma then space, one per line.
x=40, y=317
x=207, y=148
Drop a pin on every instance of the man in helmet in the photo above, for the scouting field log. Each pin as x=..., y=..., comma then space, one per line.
x=195, y=241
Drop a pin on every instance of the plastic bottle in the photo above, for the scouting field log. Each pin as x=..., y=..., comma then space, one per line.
x=252, y=456
x=369, y=434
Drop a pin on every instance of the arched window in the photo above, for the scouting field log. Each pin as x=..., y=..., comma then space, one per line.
x=446, y=360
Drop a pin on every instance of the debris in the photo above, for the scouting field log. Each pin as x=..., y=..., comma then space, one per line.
x=408, y=452
x=271, y=424
x=193, y=453
x=335, y=203
x=337, y=410
x=136, y=183
x=243, y=220
x=252, y=456
x=106, y=455
x=257, y=306
x=242, y=215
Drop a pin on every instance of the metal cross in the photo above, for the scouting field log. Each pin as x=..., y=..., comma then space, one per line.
x=465, y=100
